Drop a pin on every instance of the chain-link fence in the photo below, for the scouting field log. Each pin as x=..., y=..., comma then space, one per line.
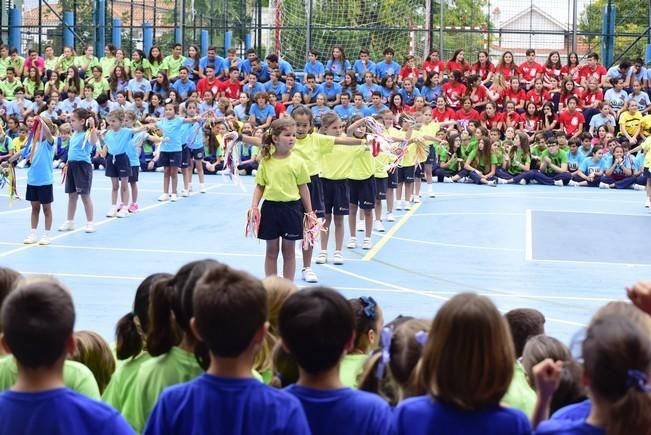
x=291, y=27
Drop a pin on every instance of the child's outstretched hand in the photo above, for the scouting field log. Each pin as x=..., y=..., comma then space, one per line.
x=547, y=376
x=640, y=295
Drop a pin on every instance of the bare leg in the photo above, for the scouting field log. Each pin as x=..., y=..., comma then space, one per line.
x=36, y=210
x=134, y=192
x=47, y=212
x=88, y=207
x=271, y=257
x=289, y=259
x=166, y=179
x=352, y=219
x=339, y=231
x=368, y=222
x=114, y=190
x=124, y=191
x=72, y=205
x=326, y=235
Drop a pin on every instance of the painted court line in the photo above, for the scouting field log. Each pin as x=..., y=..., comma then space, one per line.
x=86, y=275
x=590, y=212
x=528, y=236
x=97, y=224
x=17, y=210
x=470, y=213
x=383, y=241
x=456, y=245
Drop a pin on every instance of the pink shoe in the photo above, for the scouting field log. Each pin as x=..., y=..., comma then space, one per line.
x=133, y=207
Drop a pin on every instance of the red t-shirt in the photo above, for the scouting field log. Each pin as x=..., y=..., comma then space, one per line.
x=587, y=97
x=480, y=93
x=437, y=66
x=530, y=123
x=204, y=85
x=492, y=122
x=530, y=70
x=516, y=96
x=439, y=116
x=411, y=73
x=482, y=70
x=231, y=90
x=511, y=119
x=575, y=93
x=452, y=65
x=586, y=72
x=538, y=99
x=460, y=115
x=507, y=71
x=453, y=93
x=573, y=72
x=279, y=108
x=570, y=121
x=550, y=72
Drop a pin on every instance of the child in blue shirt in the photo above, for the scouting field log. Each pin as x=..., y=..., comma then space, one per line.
x=262, y=113
x=38, y=322
x=465, y=380
x=227, y=399
x=40, y=179
x=314, y=66
x=317, y=327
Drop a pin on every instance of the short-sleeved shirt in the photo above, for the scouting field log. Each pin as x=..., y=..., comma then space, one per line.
x=117, y=142
x=172, y=65
x=79, y=149
x=261, y=114
x=566, y=427
x=281, y=177
x=171, y=129
x=40, y=171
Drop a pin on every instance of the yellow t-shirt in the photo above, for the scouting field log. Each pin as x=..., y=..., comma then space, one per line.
x=281, y=177
x=363, y=165
x=630, y=122
x=431, y=129
x=646, y=146
x=311, y=148
x=338, y=163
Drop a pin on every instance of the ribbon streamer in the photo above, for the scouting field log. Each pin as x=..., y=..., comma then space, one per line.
x=252, y=223
x=312, y=228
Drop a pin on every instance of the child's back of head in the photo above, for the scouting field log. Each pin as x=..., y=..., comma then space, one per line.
x=317, y=326
x=9, y=280
x=524, y=323
x=95, y=353
x=38, y=320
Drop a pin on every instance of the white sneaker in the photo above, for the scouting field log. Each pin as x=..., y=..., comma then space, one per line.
x=164, y=197
x=242, y=172
x=309, y=275
x=571, y=183
x=367, y=244
x=124, y=212
x=55, y=164
x=45, y=240
x=90, y=228
x=417, y=199
x=448, y=180
x=337, y=258
x=523, y=182
x=31, y=239
x=603, y=185
x=492, y=183
x=185, y=193
x=254, y=172
x=360, y=226
x=68, y=226
x=202, y=188
x=173, y=197
x=502, y=181
x=352, y=243
x=322, y=258
x=21, y=164
x=558, y=183
x=639, y=187
x=534, y=181
x=647, y=203
x=408, y=206
x=378, y=226
x=113, y=211
x=390, y=217
x=398, y=205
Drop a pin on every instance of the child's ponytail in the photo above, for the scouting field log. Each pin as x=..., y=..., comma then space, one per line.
x=164, y=333
x=83, y=115
x=276, y=128
x=132, y=328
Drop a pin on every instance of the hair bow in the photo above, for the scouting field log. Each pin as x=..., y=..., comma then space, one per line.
x=369, y=305
x=385, y=358
x=421, y=337
x=637, y=379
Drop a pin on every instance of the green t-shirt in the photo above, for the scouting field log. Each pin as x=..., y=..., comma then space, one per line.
x=30, y=87
x=155, y=68
x=4, y=63
x=520, y=395
x=172, y=65
x=76, y=376
x=9, y=88
x=468, y=148
x=99, y=88
x=85, y=63
x=144, y=64
x=537, y=151
x=50, y=64
x=64, y=64
x=350, y=369
x=123, y=381
x=521, y=158
x=311, y=148
x=478, y=163
x=17, y=63
x=153, y=376
x=557, y=159
x=443, y=155
x=107, y=64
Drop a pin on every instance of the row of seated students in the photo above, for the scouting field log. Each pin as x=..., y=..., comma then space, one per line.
x=214, y=350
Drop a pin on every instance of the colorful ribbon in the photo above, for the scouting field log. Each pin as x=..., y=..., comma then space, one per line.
x=312, y=228
x=252, y=223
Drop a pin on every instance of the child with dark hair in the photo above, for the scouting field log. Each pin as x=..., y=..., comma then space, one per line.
x=317, y=327
x=227, y=399
x=38, y=321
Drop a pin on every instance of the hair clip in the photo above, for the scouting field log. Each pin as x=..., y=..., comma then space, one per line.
x=637, y=379
x=385, y=358
x=421, y=337
x=369, y=305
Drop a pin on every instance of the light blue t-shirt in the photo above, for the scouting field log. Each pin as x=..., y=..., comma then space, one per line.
x=184, y=89
x=261, y=114
x=330, y=92
x=278, y=88
x=367, y=90
x=589, y=167
x=567, y=427
x=132, y=149
x=139, y=86
x=171, y=129
x=574, y=161
x=344, y=113
x=338, y=69
x=194, y=139
x=117, y=142
x=383, y=69
x=40, y=172
x=78, y=151
x=315, y=68
x=361, y=69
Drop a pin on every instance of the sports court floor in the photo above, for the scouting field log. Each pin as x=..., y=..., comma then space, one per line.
x=565, y=251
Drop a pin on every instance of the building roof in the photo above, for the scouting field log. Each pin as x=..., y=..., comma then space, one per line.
x=533, y=9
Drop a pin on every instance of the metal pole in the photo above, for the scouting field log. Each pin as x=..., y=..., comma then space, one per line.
x=648, y=40
x=40, y=25
x=259, y=23
x=308, y=39
x=131, y=28
x=183, y=5
x=441, y=44
x=574, y=7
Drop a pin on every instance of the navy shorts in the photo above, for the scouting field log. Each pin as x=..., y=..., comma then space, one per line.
x=135, y=171
x=335, y=196
x=79, y=177
x=316, y=195
x=170, y=159
x=418, y=172
x=281, y=219
x=406, y=174
x=186, y=156
x=431, y=156
x=41, y=194
x=381, y=188
x=118, y=166
x=197, y=153
x=392, y=181
x=363, y=193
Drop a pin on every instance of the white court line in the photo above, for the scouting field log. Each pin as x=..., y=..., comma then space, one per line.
x=595, y=263
x=571, y=197
x=461, y=213
x=97, y=224
x=428, y=294
x=86, y=275
x=455, y=245
x=17, y=210
x=528, y=236
x=590, y=212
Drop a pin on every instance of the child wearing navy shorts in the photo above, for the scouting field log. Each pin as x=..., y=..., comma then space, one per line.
x=78, y=169
x=39, y=181
x=192, y=151
x=281, y=180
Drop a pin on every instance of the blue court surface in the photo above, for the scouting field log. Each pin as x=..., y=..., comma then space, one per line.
x=565, y=251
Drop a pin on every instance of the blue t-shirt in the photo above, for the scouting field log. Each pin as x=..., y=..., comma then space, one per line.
x=251, y=91
x=372, y=110
x=409, y=97
x=40, y=172
x=317, y=112
x=338, y=69
x=315, y=68
x=58, y=412
x=139, y=86
x=117, y=142
x=184, y=89
x=574, y=161
x=172, y=128
x=431, y=93
x=367, y=90
x=345, y=113
x=132, y=149
x=589, y=167
x=217, y=62
x=567, y=427
x=575, y=412
x=189, y=64
x=78, y=151
x=343, y=411
x=261, y=115
x=383, y=69
x=211, y=404
x=278, y=89
x=361, y=69
x=422, y=415
x=330, y=92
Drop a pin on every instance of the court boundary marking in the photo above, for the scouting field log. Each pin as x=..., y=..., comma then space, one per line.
x=389, y=234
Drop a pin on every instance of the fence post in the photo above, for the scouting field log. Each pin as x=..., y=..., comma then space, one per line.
x=147, y=37
x=228, y=41
x=247, y=41
x=15, y=21
x=608, y=34
x=100, y=16
x=116, y=33
x=178, y=35
x=205, y=43
x=69, y=22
